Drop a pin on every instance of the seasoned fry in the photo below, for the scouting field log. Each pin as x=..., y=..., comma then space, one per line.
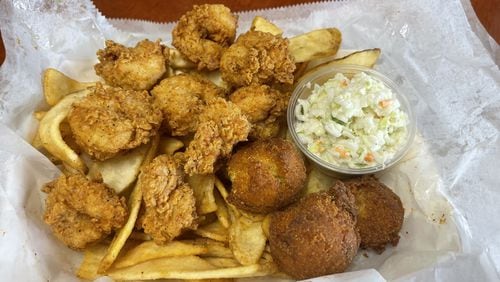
x=315, y=44
x=50, y=134
x=57, y=85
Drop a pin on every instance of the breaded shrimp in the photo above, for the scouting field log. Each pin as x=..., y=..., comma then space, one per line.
x=263, y=106
x=222, y=125
x=204, y=33
x=169, y=202
x=111, y=120
x=82, y=212
x=257, y=58
x=137, y=68
x=182, y=98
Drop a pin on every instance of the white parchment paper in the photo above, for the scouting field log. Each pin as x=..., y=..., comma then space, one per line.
x=435, y=50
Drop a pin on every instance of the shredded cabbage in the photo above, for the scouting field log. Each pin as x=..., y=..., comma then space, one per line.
x=352, y=122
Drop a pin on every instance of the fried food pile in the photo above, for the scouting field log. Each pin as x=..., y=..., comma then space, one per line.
x=177, y=165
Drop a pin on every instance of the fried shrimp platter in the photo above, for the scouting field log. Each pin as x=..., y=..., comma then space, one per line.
x=176, y=165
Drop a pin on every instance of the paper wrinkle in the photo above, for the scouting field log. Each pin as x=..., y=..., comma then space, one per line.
x=443, y=63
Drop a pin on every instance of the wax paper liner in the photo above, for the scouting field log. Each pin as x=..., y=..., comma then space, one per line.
x=448, y=182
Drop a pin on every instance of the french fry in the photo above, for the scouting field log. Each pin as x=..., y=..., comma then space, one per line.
x=317, y=181
x=150, y=250
x=121, y=171
x=50, y=133
x=215, y=248
x=90, y=264
x=169, y=145
x=367, y=58
x=246, y=239
x=220, y=186
x=216, y=78
x=167, y=267
x=261, y=24
x=315, y=44
x=223, y=262
x=39, y=115
x=57, y=85
x=213, y=231
x=189, y=267
x=222, y=210
x=265, y=225
x=178, y=61
x=134, y=205
x=203, y=188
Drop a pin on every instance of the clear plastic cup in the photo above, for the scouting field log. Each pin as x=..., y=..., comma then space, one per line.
x=304, y=88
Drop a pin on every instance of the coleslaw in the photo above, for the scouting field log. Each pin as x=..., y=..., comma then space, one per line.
x=353, y=122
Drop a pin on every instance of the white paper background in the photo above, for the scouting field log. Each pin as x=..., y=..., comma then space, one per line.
x=430, y=48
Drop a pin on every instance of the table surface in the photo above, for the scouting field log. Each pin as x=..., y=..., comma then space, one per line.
x=488, y=11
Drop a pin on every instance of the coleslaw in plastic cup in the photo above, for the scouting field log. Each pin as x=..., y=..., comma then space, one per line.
x=350, y=120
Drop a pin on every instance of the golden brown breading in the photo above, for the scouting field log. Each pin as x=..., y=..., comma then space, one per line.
x=137, y=68
x=263, y=106
x=182, y=99
x=169, y=203
x=257, y=58
x=81, y=212
x=380, y=213
x=315, y=236
x=111, y=120
x=266, y=175
x=204, y=33
x=221, y=126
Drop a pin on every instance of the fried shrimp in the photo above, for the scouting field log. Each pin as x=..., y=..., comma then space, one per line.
x=169, y=201
x=82, y=212
x=263, y=106
x=204, y=33
x=222, y=125
x=257, y=58
x=137, y=68
x=182, y=99
x=111, y=120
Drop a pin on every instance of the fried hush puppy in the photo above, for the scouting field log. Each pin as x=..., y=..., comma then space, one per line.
x=257, y=58
x=263, y=106
x=380, y=213
x=221, y=126
x=137, y=68
x=266, y=175
x=315, y=236
x=182, y=99
x=169, y=203
x=204, y=33
x=81, y=212
x=111, y=120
